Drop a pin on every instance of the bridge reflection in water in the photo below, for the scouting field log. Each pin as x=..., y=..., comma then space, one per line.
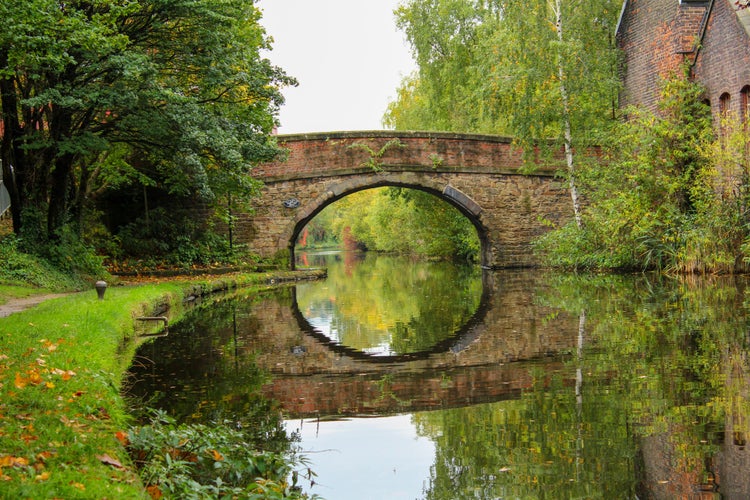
x=490, y=358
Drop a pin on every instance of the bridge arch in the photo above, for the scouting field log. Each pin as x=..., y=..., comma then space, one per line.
x=467, y=206
x=487, y=178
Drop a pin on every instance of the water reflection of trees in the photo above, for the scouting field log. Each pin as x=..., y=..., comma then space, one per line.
x=662, y=410
x=205, y=371
x=382, y=302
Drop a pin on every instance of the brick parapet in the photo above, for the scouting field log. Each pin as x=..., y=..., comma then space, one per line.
x=360, y=152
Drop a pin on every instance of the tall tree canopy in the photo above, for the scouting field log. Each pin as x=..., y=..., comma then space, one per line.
x=493, y=66
x=539, y=70
x=97, y=93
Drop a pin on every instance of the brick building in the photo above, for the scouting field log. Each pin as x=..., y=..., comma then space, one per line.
x=713, y=36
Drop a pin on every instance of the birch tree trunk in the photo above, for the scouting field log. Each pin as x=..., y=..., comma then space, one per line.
x=567, y=134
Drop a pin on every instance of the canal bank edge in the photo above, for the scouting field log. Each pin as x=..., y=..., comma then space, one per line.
x=62, y=366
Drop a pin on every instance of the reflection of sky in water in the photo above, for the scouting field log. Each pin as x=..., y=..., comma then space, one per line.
x=342, y=454
x=323, y=317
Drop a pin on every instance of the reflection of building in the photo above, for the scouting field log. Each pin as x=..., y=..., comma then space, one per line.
x=733, y=459
x=719, y=464
x=733, y=464
x=713, y=36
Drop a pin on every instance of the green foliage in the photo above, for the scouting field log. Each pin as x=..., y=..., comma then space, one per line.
x=534, y=63
x=373, y=162
x=492, y=67
x=176, y=238
x=208, y=461
x=98, y=95
x=67, y=267
x=449, y=90
x=401, y=220
x=660, y=201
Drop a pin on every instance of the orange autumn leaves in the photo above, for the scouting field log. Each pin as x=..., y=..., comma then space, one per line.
x=34, y=375
x=37, y=373
x=10, y=461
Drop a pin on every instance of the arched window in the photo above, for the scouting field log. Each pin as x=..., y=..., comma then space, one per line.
x=725, y=102
x=745, y=103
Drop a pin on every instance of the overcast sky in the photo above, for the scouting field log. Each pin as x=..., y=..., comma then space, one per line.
x=347, y=55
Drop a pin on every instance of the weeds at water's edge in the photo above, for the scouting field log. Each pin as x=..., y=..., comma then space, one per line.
x=200, y=461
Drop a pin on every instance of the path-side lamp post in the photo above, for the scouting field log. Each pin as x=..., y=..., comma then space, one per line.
x=101, y=287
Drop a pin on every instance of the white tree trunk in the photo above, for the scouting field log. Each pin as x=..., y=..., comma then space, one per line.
x=567, y=134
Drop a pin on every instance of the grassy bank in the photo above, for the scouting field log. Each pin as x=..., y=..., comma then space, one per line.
x=62, y=419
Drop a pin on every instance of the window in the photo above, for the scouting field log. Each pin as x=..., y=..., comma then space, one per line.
x=745, y=103
x=725, y=102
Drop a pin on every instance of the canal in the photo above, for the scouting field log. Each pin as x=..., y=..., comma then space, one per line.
x=410, y=379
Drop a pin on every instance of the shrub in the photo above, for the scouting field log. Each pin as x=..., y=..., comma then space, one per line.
x=18, y=267
x=202, y=461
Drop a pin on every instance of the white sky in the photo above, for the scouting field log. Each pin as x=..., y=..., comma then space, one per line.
x=347, y=55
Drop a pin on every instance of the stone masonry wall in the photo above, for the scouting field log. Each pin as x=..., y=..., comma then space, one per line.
x=485, y=177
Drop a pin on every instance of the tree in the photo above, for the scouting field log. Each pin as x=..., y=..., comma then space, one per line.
x=672, y=196
x=446, y=37
x=98, y=93
x=540, y=70
x=557, y=73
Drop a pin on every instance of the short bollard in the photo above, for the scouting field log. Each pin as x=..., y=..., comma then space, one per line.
x=101, y=287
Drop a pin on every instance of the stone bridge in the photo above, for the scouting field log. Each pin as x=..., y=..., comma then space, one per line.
x=510, y=201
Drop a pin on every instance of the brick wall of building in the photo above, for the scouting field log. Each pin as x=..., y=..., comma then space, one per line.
x=723, y=63
x=656, y=37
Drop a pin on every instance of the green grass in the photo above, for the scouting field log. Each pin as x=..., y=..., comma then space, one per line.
x=61, y=368
x=60, y=408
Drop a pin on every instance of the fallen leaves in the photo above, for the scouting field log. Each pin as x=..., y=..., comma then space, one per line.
x=122, y=437
x=11, y=461
x=34, y=376
x=57, y=388
x=64, y=374
x=107, y=460
x=154, y=491
x=20, y=382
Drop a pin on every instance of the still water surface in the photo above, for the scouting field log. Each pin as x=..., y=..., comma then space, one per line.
x=407, y=379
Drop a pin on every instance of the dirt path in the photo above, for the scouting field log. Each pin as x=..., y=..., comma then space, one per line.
x=17, y=305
